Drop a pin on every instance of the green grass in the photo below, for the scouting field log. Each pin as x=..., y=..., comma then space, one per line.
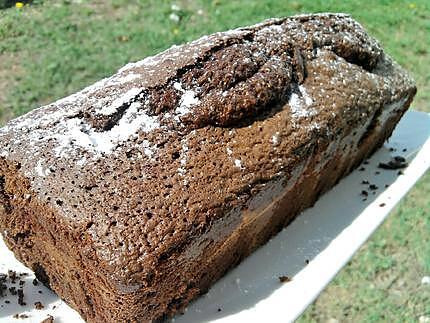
x=53, y=48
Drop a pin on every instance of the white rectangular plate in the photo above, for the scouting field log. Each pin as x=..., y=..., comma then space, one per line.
x=326, y=235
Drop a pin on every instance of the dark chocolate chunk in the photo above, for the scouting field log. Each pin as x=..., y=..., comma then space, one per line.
x=21, y=297
x=284, y=279
x=396, y=162
x=12, y=276
x=49, y=319
x=38, y=306
x=3, y=289
x=399, y=159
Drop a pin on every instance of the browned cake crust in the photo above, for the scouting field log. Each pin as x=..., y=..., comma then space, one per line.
x=133, y=196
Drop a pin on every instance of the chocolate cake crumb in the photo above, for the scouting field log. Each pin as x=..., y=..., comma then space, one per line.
x=364, y=200
x=21, y=282
x=377, y=173
x=49, y=319
x=373, y=187
x=35, y=282
x=21, y=297
x=12, y=290
x=382, y=204
x=404, y=149
x=307, y=261
x=38, y=306
x=3, y=290
x=386, y=185
x=366, y=162
x=20, y=316
x=400, y=173
x=362, y=169
x=364, y=182
x=219, y=310
x=396, y=162
x=40, y=292
x=7, y=301
x=12, y=276
x=391, y=149
x=284, y=279
x=364, y=193
x=400, y=159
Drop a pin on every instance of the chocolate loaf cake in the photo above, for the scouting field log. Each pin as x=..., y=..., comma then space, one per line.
x=133, y=196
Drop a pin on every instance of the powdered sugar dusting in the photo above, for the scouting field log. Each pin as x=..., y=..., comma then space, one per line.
x=148, y=150
x=40, y=170
x=238, y=163
x=61, y=125
x=183, y=161
x=121, y=79
x=300, y=103
x=80, y=134
x=188, y=99
x=148, y=61
x=306, y=97
x=81, y=161
x=275, y=139
x=123, y=99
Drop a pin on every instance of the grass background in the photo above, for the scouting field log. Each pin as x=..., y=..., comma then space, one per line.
x=49, y=49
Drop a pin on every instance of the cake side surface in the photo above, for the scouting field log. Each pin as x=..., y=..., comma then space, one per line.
x=167, y=174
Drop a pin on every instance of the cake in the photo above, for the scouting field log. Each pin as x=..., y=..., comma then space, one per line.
x=132, y=197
